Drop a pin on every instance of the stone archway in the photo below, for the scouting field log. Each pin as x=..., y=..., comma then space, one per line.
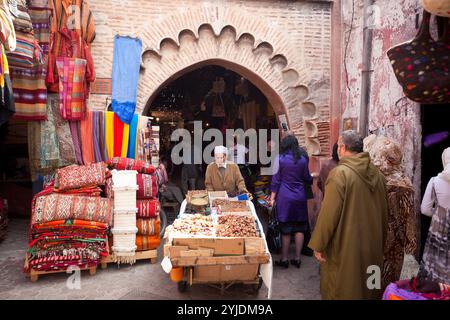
x=245, y=45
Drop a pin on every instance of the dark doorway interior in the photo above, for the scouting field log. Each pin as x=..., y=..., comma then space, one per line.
x=435, y=118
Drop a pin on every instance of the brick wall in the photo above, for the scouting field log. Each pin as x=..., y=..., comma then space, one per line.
x=281, y=46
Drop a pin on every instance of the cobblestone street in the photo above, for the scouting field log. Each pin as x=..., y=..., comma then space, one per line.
x=140, y=281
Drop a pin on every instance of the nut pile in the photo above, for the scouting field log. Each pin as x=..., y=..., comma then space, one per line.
x=195, y=224
x=220, y=202
x=236, y=226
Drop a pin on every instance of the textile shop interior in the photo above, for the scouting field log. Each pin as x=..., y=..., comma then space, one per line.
x=221, y=99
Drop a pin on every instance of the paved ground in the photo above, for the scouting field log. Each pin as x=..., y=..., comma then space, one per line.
x=140, y=281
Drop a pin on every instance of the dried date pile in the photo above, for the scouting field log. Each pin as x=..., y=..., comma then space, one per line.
x=195, y=224
x=236, y=226
x=219, y=202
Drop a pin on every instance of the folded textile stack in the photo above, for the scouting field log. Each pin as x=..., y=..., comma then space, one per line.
x=27, y=66
x=148, y=206
x=417, y=289
x=124, y=229
x=70, y=221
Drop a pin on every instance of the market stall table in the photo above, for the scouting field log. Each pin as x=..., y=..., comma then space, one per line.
x=216, y=260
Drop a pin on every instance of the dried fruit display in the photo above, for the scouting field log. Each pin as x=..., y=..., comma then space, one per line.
x=199, y=196
x=219, y=202
x=235, y=206
x=195, y=224
x=236, y=226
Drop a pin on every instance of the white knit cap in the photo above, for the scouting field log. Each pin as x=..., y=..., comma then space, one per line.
x=220, y=150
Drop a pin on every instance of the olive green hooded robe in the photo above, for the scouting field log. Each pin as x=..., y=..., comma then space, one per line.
x=351, y=229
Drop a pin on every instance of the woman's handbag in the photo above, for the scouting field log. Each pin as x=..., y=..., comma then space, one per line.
x=273, y=237
x=422, y=65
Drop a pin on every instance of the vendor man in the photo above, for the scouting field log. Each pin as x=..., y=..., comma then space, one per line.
x=223, y=175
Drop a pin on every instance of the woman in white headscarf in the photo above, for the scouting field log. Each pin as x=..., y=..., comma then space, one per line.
x=435, y=264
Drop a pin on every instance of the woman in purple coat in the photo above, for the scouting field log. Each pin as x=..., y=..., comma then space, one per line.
x=288, y=193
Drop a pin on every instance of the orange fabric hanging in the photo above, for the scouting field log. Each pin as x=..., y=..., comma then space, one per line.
x=87, y=135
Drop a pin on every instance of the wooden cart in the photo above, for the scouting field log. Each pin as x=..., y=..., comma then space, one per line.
x=218, y=261
x=221, y=272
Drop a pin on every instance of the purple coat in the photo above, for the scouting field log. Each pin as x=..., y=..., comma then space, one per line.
x=290, y=201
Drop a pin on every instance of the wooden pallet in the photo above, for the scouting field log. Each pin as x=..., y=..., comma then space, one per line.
x=151, y=255
x=34, y=274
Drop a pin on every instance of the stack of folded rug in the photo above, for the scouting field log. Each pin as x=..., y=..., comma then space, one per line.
x=124, y=226
x=70, y=221
x=148, y=206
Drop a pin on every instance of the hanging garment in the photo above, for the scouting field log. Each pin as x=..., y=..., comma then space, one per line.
x=40, y=17
x=71, y=87
x=7, y=104
x=109, y=134
x=22, y=21
x=422, y=65
x=49, y=142
x=102, y=133
x=87, y=142
x=62, y=18
x=131, y=153
x=96, y=136
x=7, y=32
x=27, y=71
x=75, y=132
x=118, y=135
x=125, y=75
x=63, y=133
x=143, y=122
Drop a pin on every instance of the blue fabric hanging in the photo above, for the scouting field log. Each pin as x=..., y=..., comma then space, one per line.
x=132, y=138
x=125, y=76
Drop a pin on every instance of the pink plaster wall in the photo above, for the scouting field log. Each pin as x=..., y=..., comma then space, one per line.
x=396, y=24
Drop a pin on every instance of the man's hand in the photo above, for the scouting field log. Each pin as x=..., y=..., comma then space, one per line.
x=320, y=256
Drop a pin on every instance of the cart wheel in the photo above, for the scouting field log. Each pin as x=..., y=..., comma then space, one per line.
x=182, y=286
x=258, y=286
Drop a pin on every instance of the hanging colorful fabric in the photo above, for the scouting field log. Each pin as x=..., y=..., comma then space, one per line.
x=125, y=75
x=422, y=65
x=63, y=134
x=118, y=135
x=109, y=134
x=71, y=73
x=125, y=136
x=132, y=139
x=87, y=143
